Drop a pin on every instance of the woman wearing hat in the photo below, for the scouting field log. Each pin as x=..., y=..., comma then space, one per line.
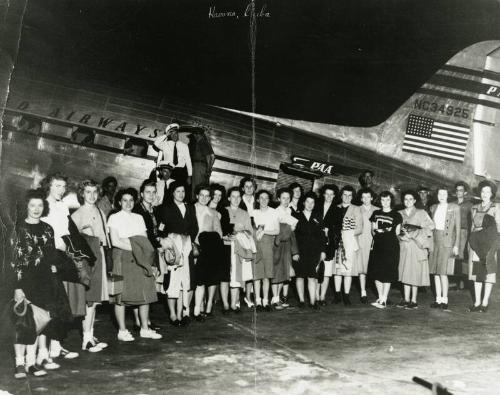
x=483, y=245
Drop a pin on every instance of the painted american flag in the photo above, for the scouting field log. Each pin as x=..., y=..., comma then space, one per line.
x=439, y=139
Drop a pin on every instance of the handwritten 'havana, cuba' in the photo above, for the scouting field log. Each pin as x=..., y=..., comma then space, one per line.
x=262, y=13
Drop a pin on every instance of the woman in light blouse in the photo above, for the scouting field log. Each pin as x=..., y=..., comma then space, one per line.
x=267, y=227
x=138, y=276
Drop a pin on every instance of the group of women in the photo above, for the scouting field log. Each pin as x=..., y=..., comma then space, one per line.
x=241, y=241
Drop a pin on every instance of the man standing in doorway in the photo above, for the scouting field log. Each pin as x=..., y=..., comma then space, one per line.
x=176, y=153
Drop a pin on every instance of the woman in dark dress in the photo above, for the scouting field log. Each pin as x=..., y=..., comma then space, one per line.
x=384, y=256
x=483, y=245
x=36, y=281
x=311, y=241
x=209, y=269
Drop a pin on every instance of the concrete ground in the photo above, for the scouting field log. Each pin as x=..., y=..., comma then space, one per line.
x=337, y=350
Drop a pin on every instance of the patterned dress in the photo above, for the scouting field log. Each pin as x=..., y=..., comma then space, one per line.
x=34, y=251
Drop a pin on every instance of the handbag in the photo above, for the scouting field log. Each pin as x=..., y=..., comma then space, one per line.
x=24, y=324
x=195, y=250
x=41, y=317
x=115, y=284
x=169, y=256
x=320, y=271
x=108, y=251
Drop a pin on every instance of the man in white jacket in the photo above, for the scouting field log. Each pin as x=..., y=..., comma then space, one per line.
x=176, y=153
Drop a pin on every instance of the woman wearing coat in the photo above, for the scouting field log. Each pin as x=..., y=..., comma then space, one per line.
x=446, y=217
x=365, y=239
x=348, y=250
x=239, y=249
x=178, y=224
x=484, y=245
x=415, y=243
x=312, y=244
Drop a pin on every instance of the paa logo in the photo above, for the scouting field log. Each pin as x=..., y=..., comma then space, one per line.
x=321, y=167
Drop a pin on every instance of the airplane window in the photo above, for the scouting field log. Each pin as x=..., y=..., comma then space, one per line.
x=29, y=125
x=82, y=135
x=136, y=147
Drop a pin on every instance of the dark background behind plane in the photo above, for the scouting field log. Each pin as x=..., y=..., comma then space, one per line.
x=344, y=62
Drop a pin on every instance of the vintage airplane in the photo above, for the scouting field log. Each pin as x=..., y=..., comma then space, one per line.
x=446, y=131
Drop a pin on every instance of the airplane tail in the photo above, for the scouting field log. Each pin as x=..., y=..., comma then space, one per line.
x=448, y=127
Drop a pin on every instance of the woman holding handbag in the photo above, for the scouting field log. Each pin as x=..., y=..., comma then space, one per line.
x=178, y=223
x=91, y=222
x=36, y=282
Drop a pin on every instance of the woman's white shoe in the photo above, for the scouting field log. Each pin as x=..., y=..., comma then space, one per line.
x=150, y=334
x=125, y=336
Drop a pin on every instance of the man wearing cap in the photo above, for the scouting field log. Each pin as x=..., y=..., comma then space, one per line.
x=163, y=181
x=175, y=153
x=424, y=202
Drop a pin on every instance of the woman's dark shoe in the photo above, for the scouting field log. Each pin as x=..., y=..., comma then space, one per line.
x=302, y=305
x=36, y=371
x=268, y=308
x=337, y=298
x=364, y=299
x=20, y=372
x=483, y=309
x=474, y=309
x=209, y=315
x=284, y=301
x=185, y=321
x=444, y=307
x=347, y=301
x=435, y=305
x=154, y=326
x=174, y=322
x=199, y=318
x=411, y=306
x=225, y=311
x=402, y=304
x=314, y=306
